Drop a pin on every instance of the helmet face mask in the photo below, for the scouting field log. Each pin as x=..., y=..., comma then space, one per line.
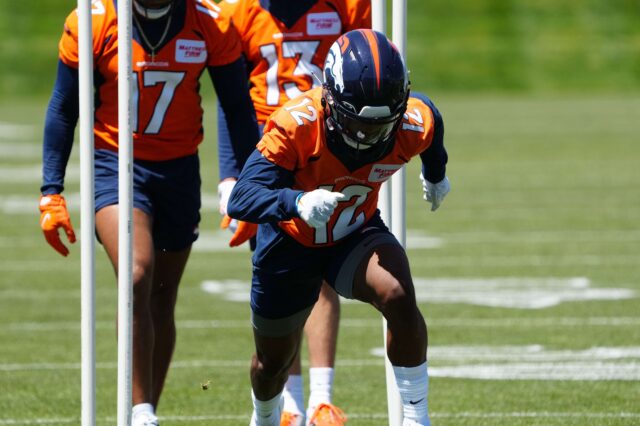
x=153, y=9
x=366, y=90
x=364, y=130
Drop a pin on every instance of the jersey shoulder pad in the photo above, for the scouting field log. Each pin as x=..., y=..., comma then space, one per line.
x=293, y=133
x=103, y=23
x=222, y=39
x=417, y=126
x=207, y=8
x=229, y=7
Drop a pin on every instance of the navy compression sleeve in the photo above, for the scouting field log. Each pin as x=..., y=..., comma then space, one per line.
x=230, y=83
x=262, y=193
x=59, y=126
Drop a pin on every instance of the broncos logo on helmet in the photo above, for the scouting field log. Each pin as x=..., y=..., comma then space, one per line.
x=366, y=89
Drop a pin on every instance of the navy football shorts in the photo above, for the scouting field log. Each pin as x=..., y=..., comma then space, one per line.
x=287, y=276
x=169, y=191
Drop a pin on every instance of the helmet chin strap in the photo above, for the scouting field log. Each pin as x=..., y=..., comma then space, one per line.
x=149, y=13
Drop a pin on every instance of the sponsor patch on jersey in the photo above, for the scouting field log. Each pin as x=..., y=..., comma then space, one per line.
x=382, y=172
x=327, y=23
x=191, y=51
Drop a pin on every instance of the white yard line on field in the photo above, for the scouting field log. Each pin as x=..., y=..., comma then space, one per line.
x=16, y=131
x=14, y=151
x=525, y=362
x=503, y=322
x=56, y=366
x=477, y=262
x=508, y=292
x=33, y=174
x=363, y=416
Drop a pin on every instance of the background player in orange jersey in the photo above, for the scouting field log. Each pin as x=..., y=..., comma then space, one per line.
x=285, y=43
x=313, y=187
x=175, y=41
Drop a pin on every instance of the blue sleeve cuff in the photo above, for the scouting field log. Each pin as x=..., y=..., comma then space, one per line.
x=289, y=199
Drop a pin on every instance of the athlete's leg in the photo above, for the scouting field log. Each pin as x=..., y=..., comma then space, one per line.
x=285, y=285
x=169, y=266
x=269, y=370
x=383, y=279
x=321, y=328
x=321, y=332
x=271, y=361
x=293, y=411
x=143, y=261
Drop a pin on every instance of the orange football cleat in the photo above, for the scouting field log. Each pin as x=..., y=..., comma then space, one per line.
x=291, y=419
x=327, y=415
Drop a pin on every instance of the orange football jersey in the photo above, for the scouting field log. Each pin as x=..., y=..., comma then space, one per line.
x=287, y=61
x=167, y=115
x=294, y=139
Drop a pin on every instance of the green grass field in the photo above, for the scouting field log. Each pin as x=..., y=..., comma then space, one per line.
x=528, y=275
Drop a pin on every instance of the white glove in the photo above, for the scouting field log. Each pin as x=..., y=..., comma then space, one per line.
x=316, y=207
x=434, y=193
x=224, y=191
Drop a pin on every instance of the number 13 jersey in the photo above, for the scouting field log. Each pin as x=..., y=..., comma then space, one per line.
x=287, y=60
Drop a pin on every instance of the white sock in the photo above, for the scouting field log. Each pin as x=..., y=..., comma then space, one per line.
x=320, y=387
x=293, y=394
x=413, y=385
x=266, y=413
x=145, y=407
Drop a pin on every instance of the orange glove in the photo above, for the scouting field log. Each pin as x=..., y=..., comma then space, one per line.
x=244, y=230
x=54, y=215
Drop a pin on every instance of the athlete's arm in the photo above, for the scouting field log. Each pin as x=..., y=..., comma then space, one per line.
x=59, y=126
x=435, y=183
x=263, y=192
x=230, y=83
x=434, y=159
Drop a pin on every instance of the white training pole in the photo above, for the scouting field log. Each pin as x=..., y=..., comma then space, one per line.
x=394, y=404
x=125, y=225
x=379, y=21
x=398, y=196
x=87, y=216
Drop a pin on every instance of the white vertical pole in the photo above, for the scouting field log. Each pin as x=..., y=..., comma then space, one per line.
x=379, y=15
x=394, y=404
x=125, y=225
x=398, y=201
x=398, y=196
x=379, y=21
x=87, y=216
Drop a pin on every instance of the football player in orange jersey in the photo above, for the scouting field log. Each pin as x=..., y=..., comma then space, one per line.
x=285, y=43
x=312, y=185
x=174, y=42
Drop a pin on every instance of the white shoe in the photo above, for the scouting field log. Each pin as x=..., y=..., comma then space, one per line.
x=145, y=419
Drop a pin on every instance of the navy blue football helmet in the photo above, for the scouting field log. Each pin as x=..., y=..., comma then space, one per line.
x=366, y=88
